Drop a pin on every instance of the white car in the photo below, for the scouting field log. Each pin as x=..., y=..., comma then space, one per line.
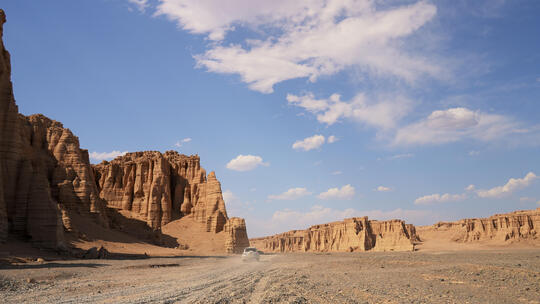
x=250, y=254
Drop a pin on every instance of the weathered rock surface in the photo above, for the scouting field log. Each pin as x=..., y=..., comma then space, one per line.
x=159, y=188
x=47, y=183
x=44, y=175
x=499, y=228
x=353, y=234
x=236, y=238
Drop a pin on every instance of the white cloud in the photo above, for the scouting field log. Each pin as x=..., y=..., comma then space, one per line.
x=291, y=194
x=246, y=163
x=332, y=139
x=451, y=125
x=337, y=172
x=438, y=198
x=309, y=143
x=229, y=197
x=383, y=189
x=99, y=156
x=474, y=153
x=309, y=38
x=383, y=114
x=470, y=187
x=512, y=185
x=140, y=4
x=180, y=143
x=346, y=192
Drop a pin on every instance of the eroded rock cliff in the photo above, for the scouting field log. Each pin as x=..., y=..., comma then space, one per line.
x=499, y=228
x=48, y=187
x=44, y=175
x=159, y=188
x=236, y=238
x=353, y=234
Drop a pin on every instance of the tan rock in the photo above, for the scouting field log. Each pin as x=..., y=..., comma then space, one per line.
x=161, y=187
x=235, y=235
x=41, y=168
x=353, y=234
x=499, y=228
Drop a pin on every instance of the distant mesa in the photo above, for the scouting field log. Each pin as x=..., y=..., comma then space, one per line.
x=499, y=229
x=349, y=235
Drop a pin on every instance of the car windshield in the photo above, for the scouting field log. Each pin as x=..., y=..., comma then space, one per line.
x=249, y=249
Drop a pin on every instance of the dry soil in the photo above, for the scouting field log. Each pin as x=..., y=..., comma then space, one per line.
x=496, y=276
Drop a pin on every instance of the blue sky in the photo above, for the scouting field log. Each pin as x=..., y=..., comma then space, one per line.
x=308, y=111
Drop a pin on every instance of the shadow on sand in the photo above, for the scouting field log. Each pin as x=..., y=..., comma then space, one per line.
x=52, y=265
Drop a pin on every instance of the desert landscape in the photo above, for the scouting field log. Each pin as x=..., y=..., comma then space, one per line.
x=153, y=227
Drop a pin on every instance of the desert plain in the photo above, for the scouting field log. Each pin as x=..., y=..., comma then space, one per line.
x=432, y=276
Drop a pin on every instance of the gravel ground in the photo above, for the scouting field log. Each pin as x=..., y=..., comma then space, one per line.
x=407, y=277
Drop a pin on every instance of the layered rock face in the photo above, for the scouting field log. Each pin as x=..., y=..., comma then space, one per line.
x=353, y=234
x=236, y=238
x=46, y=180
x=508, y=227
x=159, y=188
x=44, y=175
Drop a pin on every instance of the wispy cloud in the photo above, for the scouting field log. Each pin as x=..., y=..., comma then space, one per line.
x=141, y=5
x=455, y=124
x=400, y=156
x=439, y=198
x=310, y=38
x=383, y=113
x=180, y=143
x=291, y=194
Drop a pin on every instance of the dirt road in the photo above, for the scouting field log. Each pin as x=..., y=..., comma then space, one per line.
x=412, y=277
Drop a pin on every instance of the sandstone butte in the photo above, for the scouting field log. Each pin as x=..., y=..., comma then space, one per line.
x=349, y=235
x=47, y=184
x=518, y=226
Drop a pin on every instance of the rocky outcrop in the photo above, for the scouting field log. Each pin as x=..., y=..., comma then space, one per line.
x=500, y=228
x=43, y=172
x=353, y=234
x=160, y=187
x=9, y=144
x=236, y=238
x=46, y=181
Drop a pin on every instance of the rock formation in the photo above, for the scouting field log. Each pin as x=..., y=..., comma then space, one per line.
x=235, y=235
x=161, y=187
x=500, y=228
x=353, y=234
x=46, y=180
x=44, y=175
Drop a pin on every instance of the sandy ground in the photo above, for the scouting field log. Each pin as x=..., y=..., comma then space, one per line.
x=496, y=276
